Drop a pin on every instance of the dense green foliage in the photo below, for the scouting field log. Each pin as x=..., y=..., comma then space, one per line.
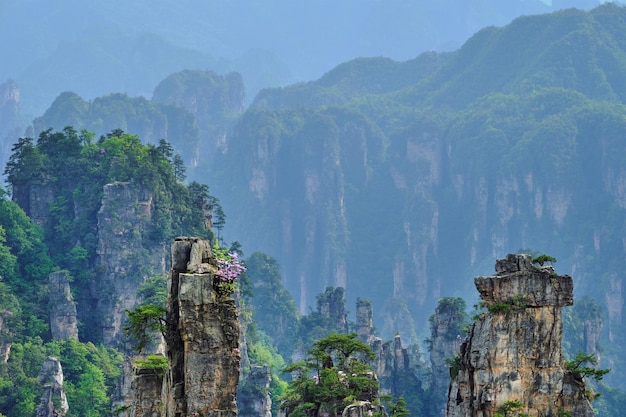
x=275, y=310
x=90, y=377
x=334, y=374
x=514, y=140
x=577, y=366
x=67, y=171
x=24, y=269
x=541, y=259
x=75, y=168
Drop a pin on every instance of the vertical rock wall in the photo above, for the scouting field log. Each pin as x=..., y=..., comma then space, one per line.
x=513, y=350
x=146, y=388
x=445, y=342
x=202, y=337
x=254, y=399
x=63, y=324
x=126, y=257
x=364, y=321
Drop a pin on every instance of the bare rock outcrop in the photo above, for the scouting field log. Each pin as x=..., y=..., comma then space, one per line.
x=11, y=120
x=513, y=350
x=253, y=398
x=146, y=389
x=364, y=321
x=53, y=402
x=202, y=337
x=446, y=334
x=126, y=256
x=63, y=323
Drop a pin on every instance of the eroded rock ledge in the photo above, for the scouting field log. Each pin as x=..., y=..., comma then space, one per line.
x=520, y=281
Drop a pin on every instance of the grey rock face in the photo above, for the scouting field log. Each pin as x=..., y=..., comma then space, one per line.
x=364, y=321
x=62, y=308
x=360, y=409
x=126, y=257
x=202, y=338
x=53, y=402
x=253, y=399
x=520, y=281
x=445, y=341
x=513, y=351
x=331, y=305
x=146, y=387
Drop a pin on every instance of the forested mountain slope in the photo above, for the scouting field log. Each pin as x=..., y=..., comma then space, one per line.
x=95, y=48
x=400, y=184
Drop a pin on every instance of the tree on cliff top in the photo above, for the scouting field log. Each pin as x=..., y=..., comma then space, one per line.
x=73, y=168
x=334, y=374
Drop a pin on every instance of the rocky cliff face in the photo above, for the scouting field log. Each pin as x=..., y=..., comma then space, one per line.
x=125, y=258
x=53, y=402
x=145, y=394
x=11, y=125
x=332, y=306
x=35, y=200
x=214, y=100
x=63, y=324
x=513, y=350
x=202, y=337
x=253, y=399
x=398, y=368
x=446, y=327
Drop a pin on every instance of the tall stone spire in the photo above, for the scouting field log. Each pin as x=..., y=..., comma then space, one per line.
x=512, y=355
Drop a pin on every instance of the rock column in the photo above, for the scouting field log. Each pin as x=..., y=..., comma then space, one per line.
x=202, y=337
x=512, y=354
x=53, y=402
x=63, y=324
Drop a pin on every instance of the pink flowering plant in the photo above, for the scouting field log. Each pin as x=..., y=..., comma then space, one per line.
x=229, y=269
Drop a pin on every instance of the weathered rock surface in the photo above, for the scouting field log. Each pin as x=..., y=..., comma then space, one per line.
x=397, y=368
x=126, y=256
x=514, y=353
x=331, y=305
x=53, y=402
x=146, y=389
x=364, y=321
x=202, y=337
x=35, y=200
x=63, y=324
x=445, y=341
x=361, y=409
x=253, y=399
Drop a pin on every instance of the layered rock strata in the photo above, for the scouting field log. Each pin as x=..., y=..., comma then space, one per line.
x=513, y=350
x=202, y=337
